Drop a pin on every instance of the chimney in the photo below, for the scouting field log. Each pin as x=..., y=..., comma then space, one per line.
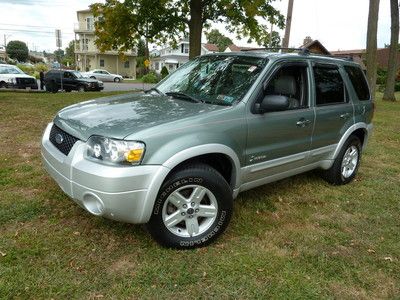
x=307, y=40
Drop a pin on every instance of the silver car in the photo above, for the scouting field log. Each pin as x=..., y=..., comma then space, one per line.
x=103, y=75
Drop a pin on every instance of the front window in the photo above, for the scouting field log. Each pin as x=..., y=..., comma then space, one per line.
x=216, y=79
x=77, y=74
x=10, y=70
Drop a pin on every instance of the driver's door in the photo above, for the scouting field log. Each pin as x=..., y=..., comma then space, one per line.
x=280, y=141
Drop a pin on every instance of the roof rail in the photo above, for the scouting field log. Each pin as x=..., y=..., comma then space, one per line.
x=301, y=51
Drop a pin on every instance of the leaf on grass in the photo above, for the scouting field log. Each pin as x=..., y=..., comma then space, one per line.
x=388, y=258
x=3, y=253
x=371, y=251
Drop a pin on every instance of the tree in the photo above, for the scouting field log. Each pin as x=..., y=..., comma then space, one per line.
x=217, y=38
x=164, y=72
x=69, y=57
x=394, y=41
x=122, y=23
x=17, y=50
x=372, y=44
x=275, y=40
x=141, y=48
x=285, y=43
x=59, y=53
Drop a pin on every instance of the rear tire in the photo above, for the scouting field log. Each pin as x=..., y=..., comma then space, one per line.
x=346, y=164
x=192, y=209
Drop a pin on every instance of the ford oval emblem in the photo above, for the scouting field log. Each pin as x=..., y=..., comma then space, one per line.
x=59, y=138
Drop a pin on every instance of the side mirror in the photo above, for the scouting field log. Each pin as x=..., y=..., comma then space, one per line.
x=272, y=103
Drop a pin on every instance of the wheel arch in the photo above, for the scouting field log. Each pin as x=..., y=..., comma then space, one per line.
x=361, y=130
x=208, y=153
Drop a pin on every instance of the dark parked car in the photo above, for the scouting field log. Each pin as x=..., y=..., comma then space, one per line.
x=68, y=80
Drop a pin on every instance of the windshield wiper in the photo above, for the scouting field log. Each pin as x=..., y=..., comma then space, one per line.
x=155, y=90
x=183, y=96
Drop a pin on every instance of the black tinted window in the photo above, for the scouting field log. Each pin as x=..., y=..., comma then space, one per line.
x=329, y=86
x=359, y=82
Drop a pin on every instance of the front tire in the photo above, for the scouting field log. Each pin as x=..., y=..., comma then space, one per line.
x=192, y=209
x=117, y=80
x=346, y=164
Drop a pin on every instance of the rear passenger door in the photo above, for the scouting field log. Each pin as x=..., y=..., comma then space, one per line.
x=333, y=109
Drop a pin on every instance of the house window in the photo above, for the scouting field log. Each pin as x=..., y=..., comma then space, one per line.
x=157, y=65
x=126, y=64
x=85, y=44
x=171, y=67
x=101, y=62
x=89, y=23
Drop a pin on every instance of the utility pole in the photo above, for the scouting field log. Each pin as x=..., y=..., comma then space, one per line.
x=285, y=42
x=5, y=46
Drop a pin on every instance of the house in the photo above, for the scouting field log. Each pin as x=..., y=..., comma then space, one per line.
x=89, y=57
x=3, y=53
x=314, y=46
x=173, y=57
x=359, y=55
x=235, y=48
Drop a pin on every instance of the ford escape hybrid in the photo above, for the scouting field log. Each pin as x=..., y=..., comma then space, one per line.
x=177, y=155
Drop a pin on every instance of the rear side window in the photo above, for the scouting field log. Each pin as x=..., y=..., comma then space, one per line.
x=359, y=82
x=329, y=85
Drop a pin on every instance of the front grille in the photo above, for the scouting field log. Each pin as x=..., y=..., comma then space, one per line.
x=27, y=81
x=62, y=140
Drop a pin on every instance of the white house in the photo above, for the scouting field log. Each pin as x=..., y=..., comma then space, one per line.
x=172, y=58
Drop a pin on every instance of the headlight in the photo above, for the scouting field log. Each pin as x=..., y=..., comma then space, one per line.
x=115, y=151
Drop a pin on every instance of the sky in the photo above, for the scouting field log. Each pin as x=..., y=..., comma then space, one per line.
x=338, y=24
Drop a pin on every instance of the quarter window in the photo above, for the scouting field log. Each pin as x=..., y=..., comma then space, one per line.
x=359, y=82
x=329, y=85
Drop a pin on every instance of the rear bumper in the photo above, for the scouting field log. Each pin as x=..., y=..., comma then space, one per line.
x=119, y=193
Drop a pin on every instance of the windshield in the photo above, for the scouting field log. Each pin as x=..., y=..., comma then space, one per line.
x=215, y=79
x=77, y=74
x=10, y=70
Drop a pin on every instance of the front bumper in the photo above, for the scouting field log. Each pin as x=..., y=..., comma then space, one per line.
x=121, y=193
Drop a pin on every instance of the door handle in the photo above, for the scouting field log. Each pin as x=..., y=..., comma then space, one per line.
x=345, y=116
x=303, y=122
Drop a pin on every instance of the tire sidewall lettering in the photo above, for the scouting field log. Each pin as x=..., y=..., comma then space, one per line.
x=167, y=191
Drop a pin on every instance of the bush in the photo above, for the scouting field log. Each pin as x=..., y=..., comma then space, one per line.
x=41, y=67
x=164, y=72
x=397, y=87
x=27, y=69
x=151, y=77
x=381, y=76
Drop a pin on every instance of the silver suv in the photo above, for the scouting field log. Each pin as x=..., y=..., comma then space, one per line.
x=177, y=155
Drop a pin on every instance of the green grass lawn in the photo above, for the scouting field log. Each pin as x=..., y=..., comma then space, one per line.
x=297, y=238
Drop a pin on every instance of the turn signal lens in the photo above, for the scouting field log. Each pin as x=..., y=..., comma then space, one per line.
x=134, y=155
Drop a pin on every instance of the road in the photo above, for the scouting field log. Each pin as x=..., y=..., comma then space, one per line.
x=124, y=86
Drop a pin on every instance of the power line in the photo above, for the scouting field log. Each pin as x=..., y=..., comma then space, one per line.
x=35, y=31
x=34, y=26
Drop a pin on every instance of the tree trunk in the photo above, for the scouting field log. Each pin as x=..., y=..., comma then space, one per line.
x=394, y=41
x=372, y=44
x=195, y=28
x=285, y=42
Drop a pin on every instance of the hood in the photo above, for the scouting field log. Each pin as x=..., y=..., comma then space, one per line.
x=84, y=79
x=16, y=76
x=120, y=116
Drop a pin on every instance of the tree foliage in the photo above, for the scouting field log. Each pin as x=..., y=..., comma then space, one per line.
x=121, y=23
x=17, y=50
x=141, y=48
x=217, y=38
x=164, y=72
